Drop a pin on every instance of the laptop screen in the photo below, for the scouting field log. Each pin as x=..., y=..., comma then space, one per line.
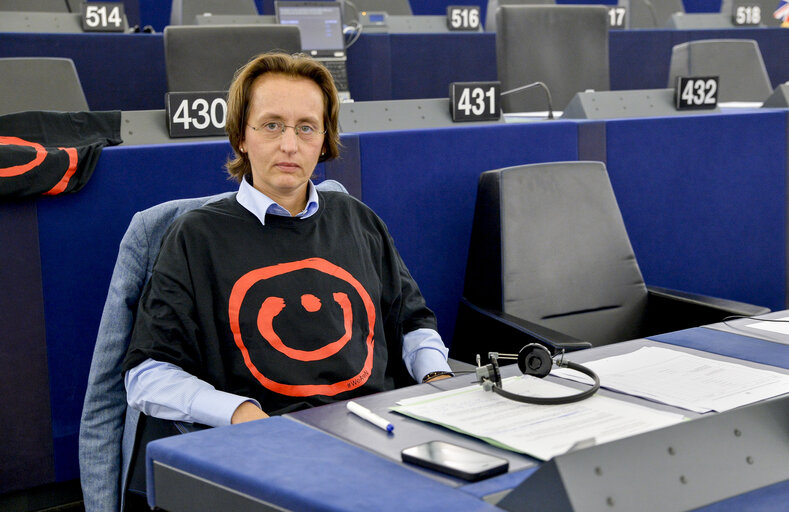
x=320, y=24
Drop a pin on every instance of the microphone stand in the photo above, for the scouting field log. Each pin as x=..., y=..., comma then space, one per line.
x=529, y=86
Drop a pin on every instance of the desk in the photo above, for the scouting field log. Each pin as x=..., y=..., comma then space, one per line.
x=127, y=71
x=334, y=462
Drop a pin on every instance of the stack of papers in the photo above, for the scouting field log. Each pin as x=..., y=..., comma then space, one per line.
x=684, y=380
x=542, y=431
x=776, y=325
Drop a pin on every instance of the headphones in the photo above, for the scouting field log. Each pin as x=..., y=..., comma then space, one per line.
x=533, y=359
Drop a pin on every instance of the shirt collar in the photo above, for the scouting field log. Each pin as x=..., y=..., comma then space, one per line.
x=259, y=204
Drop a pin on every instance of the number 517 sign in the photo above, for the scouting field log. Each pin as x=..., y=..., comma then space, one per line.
x=475, y=101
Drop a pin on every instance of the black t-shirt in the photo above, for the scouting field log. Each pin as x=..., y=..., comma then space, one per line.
x=295, y=313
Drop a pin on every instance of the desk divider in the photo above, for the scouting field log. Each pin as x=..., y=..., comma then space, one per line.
x=28, y=458
x=681, y=467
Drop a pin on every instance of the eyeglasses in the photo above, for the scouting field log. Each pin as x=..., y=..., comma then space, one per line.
x=273, y=130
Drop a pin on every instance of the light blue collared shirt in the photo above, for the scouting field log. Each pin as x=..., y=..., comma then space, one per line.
x=166, y=391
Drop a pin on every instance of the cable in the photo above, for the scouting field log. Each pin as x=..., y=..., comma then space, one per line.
x=529, y=86
x=558, y=400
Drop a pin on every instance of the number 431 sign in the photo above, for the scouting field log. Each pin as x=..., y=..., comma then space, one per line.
x=475, y=101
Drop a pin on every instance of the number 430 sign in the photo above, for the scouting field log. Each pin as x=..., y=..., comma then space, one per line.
x=475, y=101
x=200, y=113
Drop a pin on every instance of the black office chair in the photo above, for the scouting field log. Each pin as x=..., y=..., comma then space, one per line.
x=563, y=46
x=650, y=13
x=737, y=62
x=493, y=6
x=40, y=83
x=550, y=261
x=205, y=57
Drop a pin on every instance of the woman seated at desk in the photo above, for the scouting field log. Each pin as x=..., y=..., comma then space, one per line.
x=279, y=297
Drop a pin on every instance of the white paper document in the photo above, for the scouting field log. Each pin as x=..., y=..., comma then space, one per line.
x=542, y=431
x=684, y=380
x=777, y=325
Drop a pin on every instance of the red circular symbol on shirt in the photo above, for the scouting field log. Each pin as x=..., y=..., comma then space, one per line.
x=16, y=170
x=40, y=155
x=272, y=306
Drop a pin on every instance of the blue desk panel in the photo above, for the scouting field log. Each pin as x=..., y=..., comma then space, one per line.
x=704, y=201
x=423, y=184
x=291, y=465
x=117, y=71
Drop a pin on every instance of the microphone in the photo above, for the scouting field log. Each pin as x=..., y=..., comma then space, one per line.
x=529, y=86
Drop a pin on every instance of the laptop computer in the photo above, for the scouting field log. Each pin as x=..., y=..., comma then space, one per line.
x=320, y=24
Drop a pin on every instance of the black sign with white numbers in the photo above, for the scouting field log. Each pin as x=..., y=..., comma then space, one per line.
x=193, y=114
x=475, y=101
x=617, y=17
x=746, y=14
x=103, y=17
x=463, y=17
x=696, y=92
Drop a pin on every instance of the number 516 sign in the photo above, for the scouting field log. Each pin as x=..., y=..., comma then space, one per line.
x=475, y=101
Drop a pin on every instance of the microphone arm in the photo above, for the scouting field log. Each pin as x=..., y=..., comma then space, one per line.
x=529, y=86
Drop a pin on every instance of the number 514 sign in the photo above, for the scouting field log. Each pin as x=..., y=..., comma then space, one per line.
x=475, y=101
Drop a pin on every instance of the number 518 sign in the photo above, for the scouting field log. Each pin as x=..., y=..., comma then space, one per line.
x=475, y=101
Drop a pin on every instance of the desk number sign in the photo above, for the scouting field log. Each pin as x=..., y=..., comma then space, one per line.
x=696, y=92
x=463, y=18
x=196, y=114
x=617, y=17
x=746, y=14
x=102, y=17
x=475, y=101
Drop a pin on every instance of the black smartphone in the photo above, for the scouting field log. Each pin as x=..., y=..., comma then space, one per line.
x=455, y=460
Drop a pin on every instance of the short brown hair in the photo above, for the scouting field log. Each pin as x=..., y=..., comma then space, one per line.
x=238, y=99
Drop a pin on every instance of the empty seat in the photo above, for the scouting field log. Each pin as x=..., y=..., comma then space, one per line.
x=563, y=46
x=38, y=83
x=493, y=5
x=651, y=13
x=737, y=62
x=205, y=57
x=550, y=259
x=183, y=12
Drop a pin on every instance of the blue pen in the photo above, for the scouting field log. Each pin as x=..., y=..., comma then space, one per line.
x=369, y=415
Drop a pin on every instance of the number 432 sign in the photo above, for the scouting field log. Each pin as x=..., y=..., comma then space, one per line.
x=696, y=92
x=475, y=101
